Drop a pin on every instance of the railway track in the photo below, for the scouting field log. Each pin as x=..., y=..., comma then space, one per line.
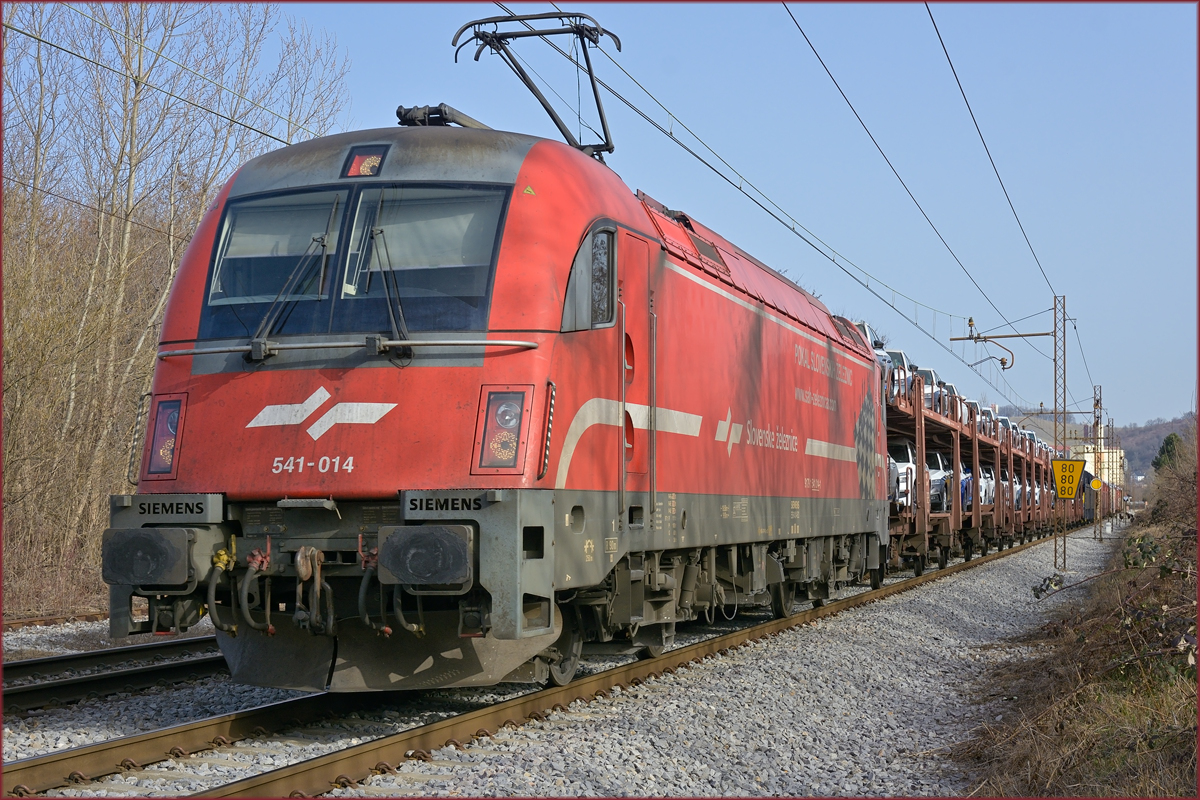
x=55, y=680
x=34, y=622
x=346, y=766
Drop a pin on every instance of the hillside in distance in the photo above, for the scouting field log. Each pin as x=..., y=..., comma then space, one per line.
x=1140, y=442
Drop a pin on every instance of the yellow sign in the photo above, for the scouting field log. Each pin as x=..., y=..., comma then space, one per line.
x=1096, y=484
x=1067, y=473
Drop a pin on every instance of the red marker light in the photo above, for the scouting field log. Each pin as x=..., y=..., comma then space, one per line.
x=365, y=162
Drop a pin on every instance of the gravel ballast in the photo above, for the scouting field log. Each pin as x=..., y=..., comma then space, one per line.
x=40, y=641
x=864, y=703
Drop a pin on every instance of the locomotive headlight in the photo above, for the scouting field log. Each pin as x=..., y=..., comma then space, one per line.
x=508, y=415
x=502, y=429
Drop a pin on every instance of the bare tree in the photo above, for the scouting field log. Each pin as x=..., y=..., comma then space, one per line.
x=1173, y=491
x=121, y=123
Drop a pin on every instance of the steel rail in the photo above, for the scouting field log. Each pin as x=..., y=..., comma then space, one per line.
x=50, y=665
x=316, y=776
x=333, y=770
x=78, y=764
x=27, y=622
x=98, y=684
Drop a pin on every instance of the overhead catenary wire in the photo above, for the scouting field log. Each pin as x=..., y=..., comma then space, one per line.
x=1081, y=353
x=1000, y=180
x=1015, y=321
x=832, y=256
x=1008, y=323
x=1038, y=314
x=145, y=83
x=549, y=86
x=97, y=209
x=202, y=76
x=743, y=181
x=987, y=150
x=911, y=196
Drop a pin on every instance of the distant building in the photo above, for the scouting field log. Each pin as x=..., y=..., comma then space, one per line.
x=1080, y=444
x=1111, y=461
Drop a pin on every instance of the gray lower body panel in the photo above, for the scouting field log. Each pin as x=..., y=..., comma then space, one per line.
x=291, y=659
x=368, y=661
x=534, y=548
x=587, y=551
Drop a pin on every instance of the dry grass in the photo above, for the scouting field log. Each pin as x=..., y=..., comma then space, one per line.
x=37, y=598
x=1109, y=707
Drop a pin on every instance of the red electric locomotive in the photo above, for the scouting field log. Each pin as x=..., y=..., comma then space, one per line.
x=445, y=406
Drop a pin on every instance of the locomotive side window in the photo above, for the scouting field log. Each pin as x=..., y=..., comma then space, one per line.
x=590, y=299
x=602, y=305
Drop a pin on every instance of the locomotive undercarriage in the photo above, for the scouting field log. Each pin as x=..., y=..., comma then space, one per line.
x=638, y=605
x=313, y=594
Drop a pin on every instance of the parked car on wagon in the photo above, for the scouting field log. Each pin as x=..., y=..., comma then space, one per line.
x=987, y=486
x=950, y=390
x=934, y=388
x=904, y=453
x=876, y=344
x=940, y=477
x=893, y=480
x=902, y=370
x=966, y=485
x=988, y=421
x=973, y=407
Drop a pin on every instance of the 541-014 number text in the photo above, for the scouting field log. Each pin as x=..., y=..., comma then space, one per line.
x=323, y=464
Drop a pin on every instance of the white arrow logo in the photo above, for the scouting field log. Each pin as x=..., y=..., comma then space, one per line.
x=292, y=414
x=729, y=433
x=296, y=413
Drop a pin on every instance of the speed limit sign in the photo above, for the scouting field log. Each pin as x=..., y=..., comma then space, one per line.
x=1067, y=474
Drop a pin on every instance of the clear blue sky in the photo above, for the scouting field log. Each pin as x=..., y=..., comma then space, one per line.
x=1089, y=111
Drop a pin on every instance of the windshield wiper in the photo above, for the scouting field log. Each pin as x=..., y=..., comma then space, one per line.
x=259, y=346
x=396, y=316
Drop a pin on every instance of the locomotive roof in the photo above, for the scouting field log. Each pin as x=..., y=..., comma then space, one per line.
x=468, y=155
x=417, y=154
x=809, y=296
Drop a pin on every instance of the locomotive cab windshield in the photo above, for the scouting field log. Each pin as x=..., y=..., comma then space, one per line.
x=423, y=253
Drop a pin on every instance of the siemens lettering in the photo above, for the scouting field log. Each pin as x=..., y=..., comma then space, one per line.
x=170, y=508
x=445, y=504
